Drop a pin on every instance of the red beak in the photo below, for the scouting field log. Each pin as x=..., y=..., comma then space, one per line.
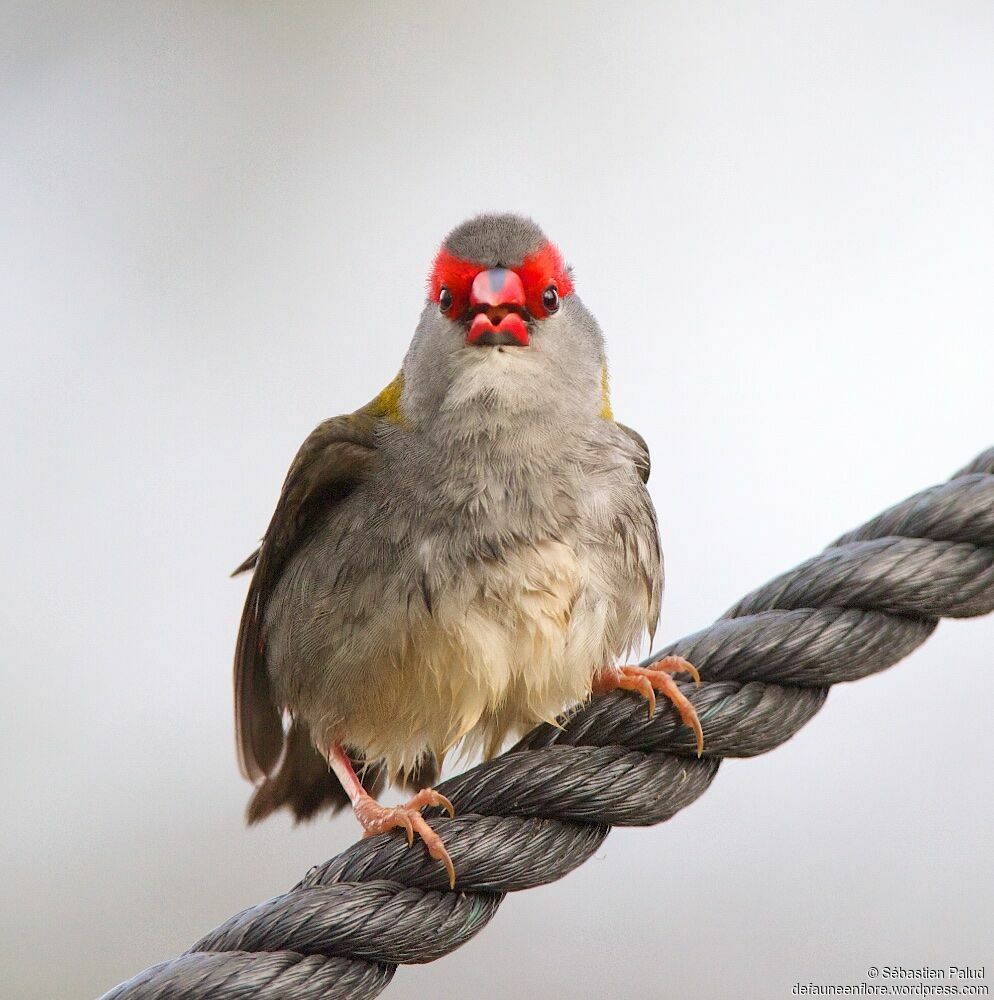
x=501, y=295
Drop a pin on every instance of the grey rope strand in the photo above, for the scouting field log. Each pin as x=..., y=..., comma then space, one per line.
x=540, y=810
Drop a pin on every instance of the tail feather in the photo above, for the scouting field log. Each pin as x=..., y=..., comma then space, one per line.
x=304, y=783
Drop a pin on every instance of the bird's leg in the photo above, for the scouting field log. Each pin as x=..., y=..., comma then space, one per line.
x=375, y=818
x=648, y=680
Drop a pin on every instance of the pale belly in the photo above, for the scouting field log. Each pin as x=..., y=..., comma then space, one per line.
x=507, y=645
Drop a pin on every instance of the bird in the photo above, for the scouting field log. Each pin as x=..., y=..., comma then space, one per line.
x=467, y=555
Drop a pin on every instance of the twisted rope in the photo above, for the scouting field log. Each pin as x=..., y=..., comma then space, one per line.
x=540, y=810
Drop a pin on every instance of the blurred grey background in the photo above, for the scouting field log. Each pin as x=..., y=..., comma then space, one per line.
x=217, y=219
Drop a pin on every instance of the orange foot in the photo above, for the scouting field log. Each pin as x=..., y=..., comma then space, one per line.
x=648, y=680
x=378, y=819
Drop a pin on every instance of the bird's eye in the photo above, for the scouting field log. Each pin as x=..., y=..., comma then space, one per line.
x=550, y=299
x=444, y=300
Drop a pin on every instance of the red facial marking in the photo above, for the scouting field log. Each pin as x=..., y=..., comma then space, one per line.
x=457, y=276
x=540, y=270
x=535, y=274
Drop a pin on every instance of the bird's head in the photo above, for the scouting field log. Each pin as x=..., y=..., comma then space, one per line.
x=497, y=277
x=503, y=326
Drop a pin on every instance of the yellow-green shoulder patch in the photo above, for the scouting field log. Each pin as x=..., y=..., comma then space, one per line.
x=606, y=413
x=387, y=403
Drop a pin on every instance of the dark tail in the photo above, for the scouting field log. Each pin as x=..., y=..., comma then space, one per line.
x=304, y=783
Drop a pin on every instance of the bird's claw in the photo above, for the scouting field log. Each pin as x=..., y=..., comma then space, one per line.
x=375, y=819
x=429, y=797
x=646, y=681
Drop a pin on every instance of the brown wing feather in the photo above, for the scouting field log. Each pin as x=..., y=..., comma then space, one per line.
x=248, y=564
x=330, y=464
x=652, y=575
x=643, y=461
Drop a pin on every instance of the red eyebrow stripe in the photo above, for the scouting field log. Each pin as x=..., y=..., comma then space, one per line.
x=451, y=271
x=537, y=271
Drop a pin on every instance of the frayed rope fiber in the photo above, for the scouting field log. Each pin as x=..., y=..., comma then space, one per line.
x=538, y=811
